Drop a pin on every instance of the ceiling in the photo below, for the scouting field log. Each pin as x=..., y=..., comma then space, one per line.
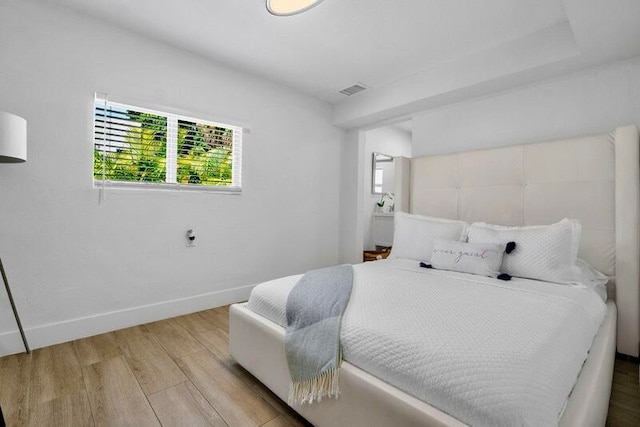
x=395, y=48
x=336, y=44
x=405, y=126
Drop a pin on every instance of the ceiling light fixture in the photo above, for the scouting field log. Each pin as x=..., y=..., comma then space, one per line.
x=290, y=7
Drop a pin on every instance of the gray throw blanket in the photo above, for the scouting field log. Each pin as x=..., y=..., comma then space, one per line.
x=312, y=341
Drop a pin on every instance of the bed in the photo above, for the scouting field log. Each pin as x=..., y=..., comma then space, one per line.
x=594, y=179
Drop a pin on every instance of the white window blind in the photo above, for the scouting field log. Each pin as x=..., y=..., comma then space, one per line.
x=139, y=147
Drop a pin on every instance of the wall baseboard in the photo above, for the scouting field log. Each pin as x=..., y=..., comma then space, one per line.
x=69, y=330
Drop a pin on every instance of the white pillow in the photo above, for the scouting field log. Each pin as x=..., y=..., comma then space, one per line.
x=547, y=252
x=592, y=278
x=483, y=259
x=414, y=235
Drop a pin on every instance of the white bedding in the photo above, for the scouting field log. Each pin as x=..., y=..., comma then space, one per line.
x=488, y=352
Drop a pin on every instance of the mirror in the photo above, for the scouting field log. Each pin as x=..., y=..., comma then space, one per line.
x=382, y=174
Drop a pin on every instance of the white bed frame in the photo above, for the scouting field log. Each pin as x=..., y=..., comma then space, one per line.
x=595, y=179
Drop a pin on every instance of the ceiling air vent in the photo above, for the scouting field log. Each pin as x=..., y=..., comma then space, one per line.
x=353, y=89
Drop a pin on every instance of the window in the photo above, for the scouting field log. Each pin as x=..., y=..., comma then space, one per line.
x=138, y=147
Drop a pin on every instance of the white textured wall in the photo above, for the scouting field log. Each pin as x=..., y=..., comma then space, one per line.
x=124, y=261
x=351, y=201
x=589, y=102
x=386, y=140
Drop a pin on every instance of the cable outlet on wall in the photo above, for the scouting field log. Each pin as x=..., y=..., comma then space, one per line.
x=190, y=238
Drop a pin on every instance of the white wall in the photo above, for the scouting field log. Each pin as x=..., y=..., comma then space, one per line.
x=351, y=200
x=387, y=140
x=589, y=102
x=78, y=267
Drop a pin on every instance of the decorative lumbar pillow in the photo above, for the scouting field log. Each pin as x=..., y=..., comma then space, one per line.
x=414, y=235
x=483, y=259
x=547, y=252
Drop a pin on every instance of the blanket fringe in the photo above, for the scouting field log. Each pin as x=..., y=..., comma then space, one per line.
x=315, y=388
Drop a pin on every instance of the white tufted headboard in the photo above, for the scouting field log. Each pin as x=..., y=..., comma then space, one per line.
x=594, y=179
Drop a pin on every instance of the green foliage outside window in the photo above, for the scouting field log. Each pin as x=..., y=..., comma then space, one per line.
x=204, y=154
x=133, y=153
x=135, y=149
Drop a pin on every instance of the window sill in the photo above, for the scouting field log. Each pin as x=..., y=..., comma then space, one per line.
x=146, y=186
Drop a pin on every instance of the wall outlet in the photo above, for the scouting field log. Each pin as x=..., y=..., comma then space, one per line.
x=190, y=238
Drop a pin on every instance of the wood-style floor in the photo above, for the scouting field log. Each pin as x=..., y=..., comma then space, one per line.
x=624, y=406
x=175, y=372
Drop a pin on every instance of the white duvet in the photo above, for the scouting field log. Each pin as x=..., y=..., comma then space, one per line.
x=485, y=351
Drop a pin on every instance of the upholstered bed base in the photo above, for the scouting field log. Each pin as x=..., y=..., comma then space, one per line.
x=258, y=345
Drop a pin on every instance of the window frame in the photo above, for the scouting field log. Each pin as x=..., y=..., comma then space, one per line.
x=171, y=142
